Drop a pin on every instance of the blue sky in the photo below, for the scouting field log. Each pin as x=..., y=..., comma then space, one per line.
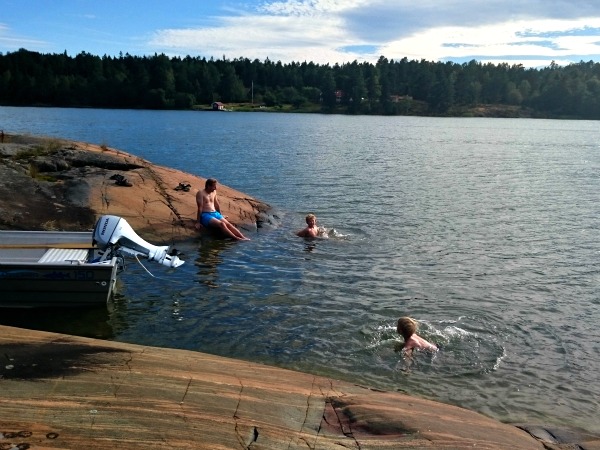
x=528, y=32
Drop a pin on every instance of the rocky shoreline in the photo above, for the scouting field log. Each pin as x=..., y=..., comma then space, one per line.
x=52, y=184
x=62, y=391
x=70, y=392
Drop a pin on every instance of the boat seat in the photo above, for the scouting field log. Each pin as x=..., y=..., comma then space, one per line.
x=68, y=255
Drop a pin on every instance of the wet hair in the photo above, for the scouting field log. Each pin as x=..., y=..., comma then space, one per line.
x=407, y=327
x=310, y=216
x=210, y=182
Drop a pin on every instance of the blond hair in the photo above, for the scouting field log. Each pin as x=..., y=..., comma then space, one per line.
x=310, y=216
x=407, y=326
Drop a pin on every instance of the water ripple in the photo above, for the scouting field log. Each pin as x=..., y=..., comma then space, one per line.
x=486, y=231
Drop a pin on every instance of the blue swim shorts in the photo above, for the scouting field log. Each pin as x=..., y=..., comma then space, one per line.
x=206, y=216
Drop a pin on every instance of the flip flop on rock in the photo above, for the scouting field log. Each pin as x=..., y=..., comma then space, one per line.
x=123, y=182
x=183, y=187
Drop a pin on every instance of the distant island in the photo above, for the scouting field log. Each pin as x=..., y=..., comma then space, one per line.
x=389, y=87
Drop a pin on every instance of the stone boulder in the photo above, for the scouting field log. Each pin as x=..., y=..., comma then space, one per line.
x=51, y=184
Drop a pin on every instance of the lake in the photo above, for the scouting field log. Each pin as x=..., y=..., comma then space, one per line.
x=484, y=230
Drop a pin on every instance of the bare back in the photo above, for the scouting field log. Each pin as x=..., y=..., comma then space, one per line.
x=206, y=201
x=416, y=341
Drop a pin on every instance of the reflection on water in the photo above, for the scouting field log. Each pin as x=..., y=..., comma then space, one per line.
x=209, y=259
x=88, y=322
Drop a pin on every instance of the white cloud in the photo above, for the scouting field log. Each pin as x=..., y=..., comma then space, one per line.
x=278, y=37
x=319, y=30
x=543, y=38
x=311, y=7
x=8, y=39
x=530, y=32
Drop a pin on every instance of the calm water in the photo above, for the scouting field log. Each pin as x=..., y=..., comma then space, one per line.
x=485, y=230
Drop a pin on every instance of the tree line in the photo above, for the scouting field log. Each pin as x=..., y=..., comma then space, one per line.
x=387, y=87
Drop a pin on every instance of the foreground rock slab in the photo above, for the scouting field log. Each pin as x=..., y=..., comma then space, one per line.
x=60, y=391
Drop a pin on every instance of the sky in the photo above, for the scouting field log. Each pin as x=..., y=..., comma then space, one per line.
x=529, y=32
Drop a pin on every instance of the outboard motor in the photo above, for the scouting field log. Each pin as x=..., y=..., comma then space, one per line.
x=113, y=231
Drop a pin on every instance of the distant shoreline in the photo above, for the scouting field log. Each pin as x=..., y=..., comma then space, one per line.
x=499, y=111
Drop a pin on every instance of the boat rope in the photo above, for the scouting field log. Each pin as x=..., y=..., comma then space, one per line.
x=143, y=266
x=154, y=276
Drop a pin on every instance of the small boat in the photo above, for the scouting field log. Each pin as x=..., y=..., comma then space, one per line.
x=68, y=269
x=53, y=269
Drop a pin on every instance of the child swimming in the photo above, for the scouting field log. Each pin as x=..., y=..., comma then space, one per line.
x=407, y=327
x=311, y=230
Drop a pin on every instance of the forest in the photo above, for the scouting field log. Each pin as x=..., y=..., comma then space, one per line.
x=389, y=87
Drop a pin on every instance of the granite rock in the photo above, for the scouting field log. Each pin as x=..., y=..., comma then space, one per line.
x=51, y=184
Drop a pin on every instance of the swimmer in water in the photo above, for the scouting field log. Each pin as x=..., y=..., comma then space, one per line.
x=407, y=327
x=311, y=229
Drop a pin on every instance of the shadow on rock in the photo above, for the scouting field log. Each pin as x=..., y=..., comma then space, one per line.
x=56, y=359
